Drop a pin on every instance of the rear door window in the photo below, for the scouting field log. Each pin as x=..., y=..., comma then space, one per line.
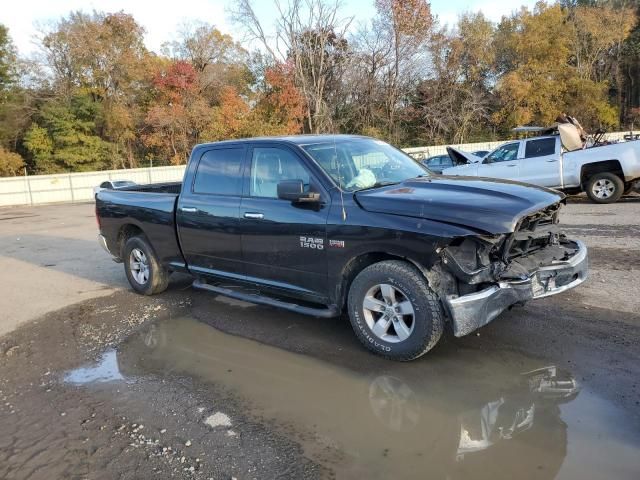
x=540, y=148
x=220, y=172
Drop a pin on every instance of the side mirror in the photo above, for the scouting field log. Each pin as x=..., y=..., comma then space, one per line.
x=486, y=160
x=293, y=190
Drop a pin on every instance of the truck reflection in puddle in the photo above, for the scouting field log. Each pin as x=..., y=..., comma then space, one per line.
x=396, y=405
x=443, y=418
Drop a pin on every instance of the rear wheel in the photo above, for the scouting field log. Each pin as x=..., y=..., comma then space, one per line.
x=393, y=311
x=604, y=187
x=144, y=272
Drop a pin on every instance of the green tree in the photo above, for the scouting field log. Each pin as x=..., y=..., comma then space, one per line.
x=65, y=138
x=7, y=59
x=10, y=92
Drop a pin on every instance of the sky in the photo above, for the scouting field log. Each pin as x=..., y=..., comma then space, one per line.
x=25, y=18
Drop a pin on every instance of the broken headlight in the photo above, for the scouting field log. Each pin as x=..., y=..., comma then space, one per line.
x=472, y=259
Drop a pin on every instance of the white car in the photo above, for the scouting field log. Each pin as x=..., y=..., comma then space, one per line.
x=113, y=185
x=604, y=172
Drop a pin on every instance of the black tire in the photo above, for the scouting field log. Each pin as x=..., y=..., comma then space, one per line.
x=157, y=278
x=427, y=320
x=614, y=182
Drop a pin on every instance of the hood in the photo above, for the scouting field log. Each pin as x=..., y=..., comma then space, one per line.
x=462, y=158
x=489, y=205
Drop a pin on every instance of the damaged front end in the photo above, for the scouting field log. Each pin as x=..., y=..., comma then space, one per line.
x=496, y=272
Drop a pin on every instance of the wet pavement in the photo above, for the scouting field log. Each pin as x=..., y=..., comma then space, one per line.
x=466, y=417
x=469, y=416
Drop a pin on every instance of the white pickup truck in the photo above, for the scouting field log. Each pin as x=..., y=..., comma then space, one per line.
x=604, y=172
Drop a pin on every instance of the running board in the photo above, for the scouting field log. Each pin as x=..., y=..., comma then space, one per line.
x=329, y=312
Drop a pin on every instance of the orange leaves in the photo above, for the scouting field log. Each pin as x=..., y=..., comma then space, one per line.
x=278, y=109
x=231, y=118
x=282, y=101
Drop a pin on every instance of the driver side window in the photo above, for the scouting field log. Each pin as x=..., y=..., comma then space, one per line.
x=270, y=166
x=504, y=153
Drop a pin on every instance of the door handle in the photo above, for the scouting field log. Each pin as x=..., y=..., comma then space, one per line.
x=254, y=215
x=552, y=160
x=189, y=209
x=512, y=165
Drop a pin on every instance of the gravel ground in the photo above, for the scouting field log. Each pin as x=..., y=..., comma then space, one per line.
x=172, y=414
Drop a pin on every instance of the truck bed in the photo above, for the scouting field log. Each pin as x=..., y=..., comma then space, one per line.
x=168, y=187
x=149, y=208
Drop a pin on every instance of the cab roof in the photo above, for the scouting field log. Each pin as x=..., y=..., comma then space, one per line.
x=300, y=140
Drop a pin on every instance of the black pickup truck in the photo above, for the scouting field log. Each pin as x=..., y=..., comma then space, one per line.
x=323, y=224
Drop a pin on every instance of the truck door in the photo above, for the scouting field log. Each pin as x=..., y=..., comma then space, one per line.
x=501, y=163
x=541, y=162
x=284, y=244
x=208, y=213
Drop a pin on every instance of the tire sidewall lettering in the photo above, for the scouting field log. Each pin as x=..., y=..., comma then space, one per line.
x=365, y=332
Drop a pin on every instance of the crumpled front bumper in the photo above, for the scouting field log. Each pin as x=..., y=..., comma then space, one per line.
x=472, y=311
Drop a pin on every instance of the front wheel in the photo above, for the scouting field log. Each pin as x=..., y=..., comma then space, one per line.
x=144, y=272
x=393, y=311
x=605, y=187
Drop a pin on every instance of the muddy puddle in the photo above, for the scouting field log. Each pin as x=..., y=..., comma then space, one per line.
x=468, y=414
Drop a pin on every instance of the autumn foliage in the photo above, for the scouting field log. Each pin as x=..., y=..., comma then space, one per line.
x=103, y=100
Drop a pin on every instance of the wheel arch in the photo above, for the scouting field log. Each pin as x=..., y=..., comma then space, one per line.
x=125, y=232
x=609, y=166
x=358, y=263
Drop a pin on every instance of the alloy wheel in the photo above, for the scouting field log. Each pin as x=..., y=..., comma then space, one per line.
x=139, y=266
x=603, y=188
x=388, y=313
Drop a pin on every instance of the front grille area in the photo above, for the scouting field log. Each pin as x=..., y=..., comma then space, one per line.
x=534, y=232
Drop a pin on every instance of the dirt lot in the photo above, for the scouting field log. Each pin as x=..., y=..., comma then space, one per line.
x=96, y=382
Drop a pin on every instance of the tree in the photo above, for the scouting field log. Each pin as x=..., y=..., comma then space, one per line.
x=178, y=113
x=310, y=36
x=8, y=59
x=65, y=136
x=549, y=73
x=280, y=103
x=475, y=34
x=279, y=109
x=203, y=45
x=630, y=69
x=10, y=163
x=362, y=109
x=10, y=91
x=450, y=105
x=216, y=57
x=405, y=26
x=104, y=54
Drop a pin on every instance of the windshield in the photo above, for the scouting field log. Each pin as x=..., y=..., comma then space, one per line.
x=359, y=163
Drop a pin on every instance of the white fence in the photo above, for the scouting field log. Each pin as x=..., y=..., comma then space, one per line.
x=78, y=187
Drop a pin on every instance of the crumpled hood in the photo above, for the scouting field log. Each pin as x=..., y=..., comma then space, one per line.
x=493, y=206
